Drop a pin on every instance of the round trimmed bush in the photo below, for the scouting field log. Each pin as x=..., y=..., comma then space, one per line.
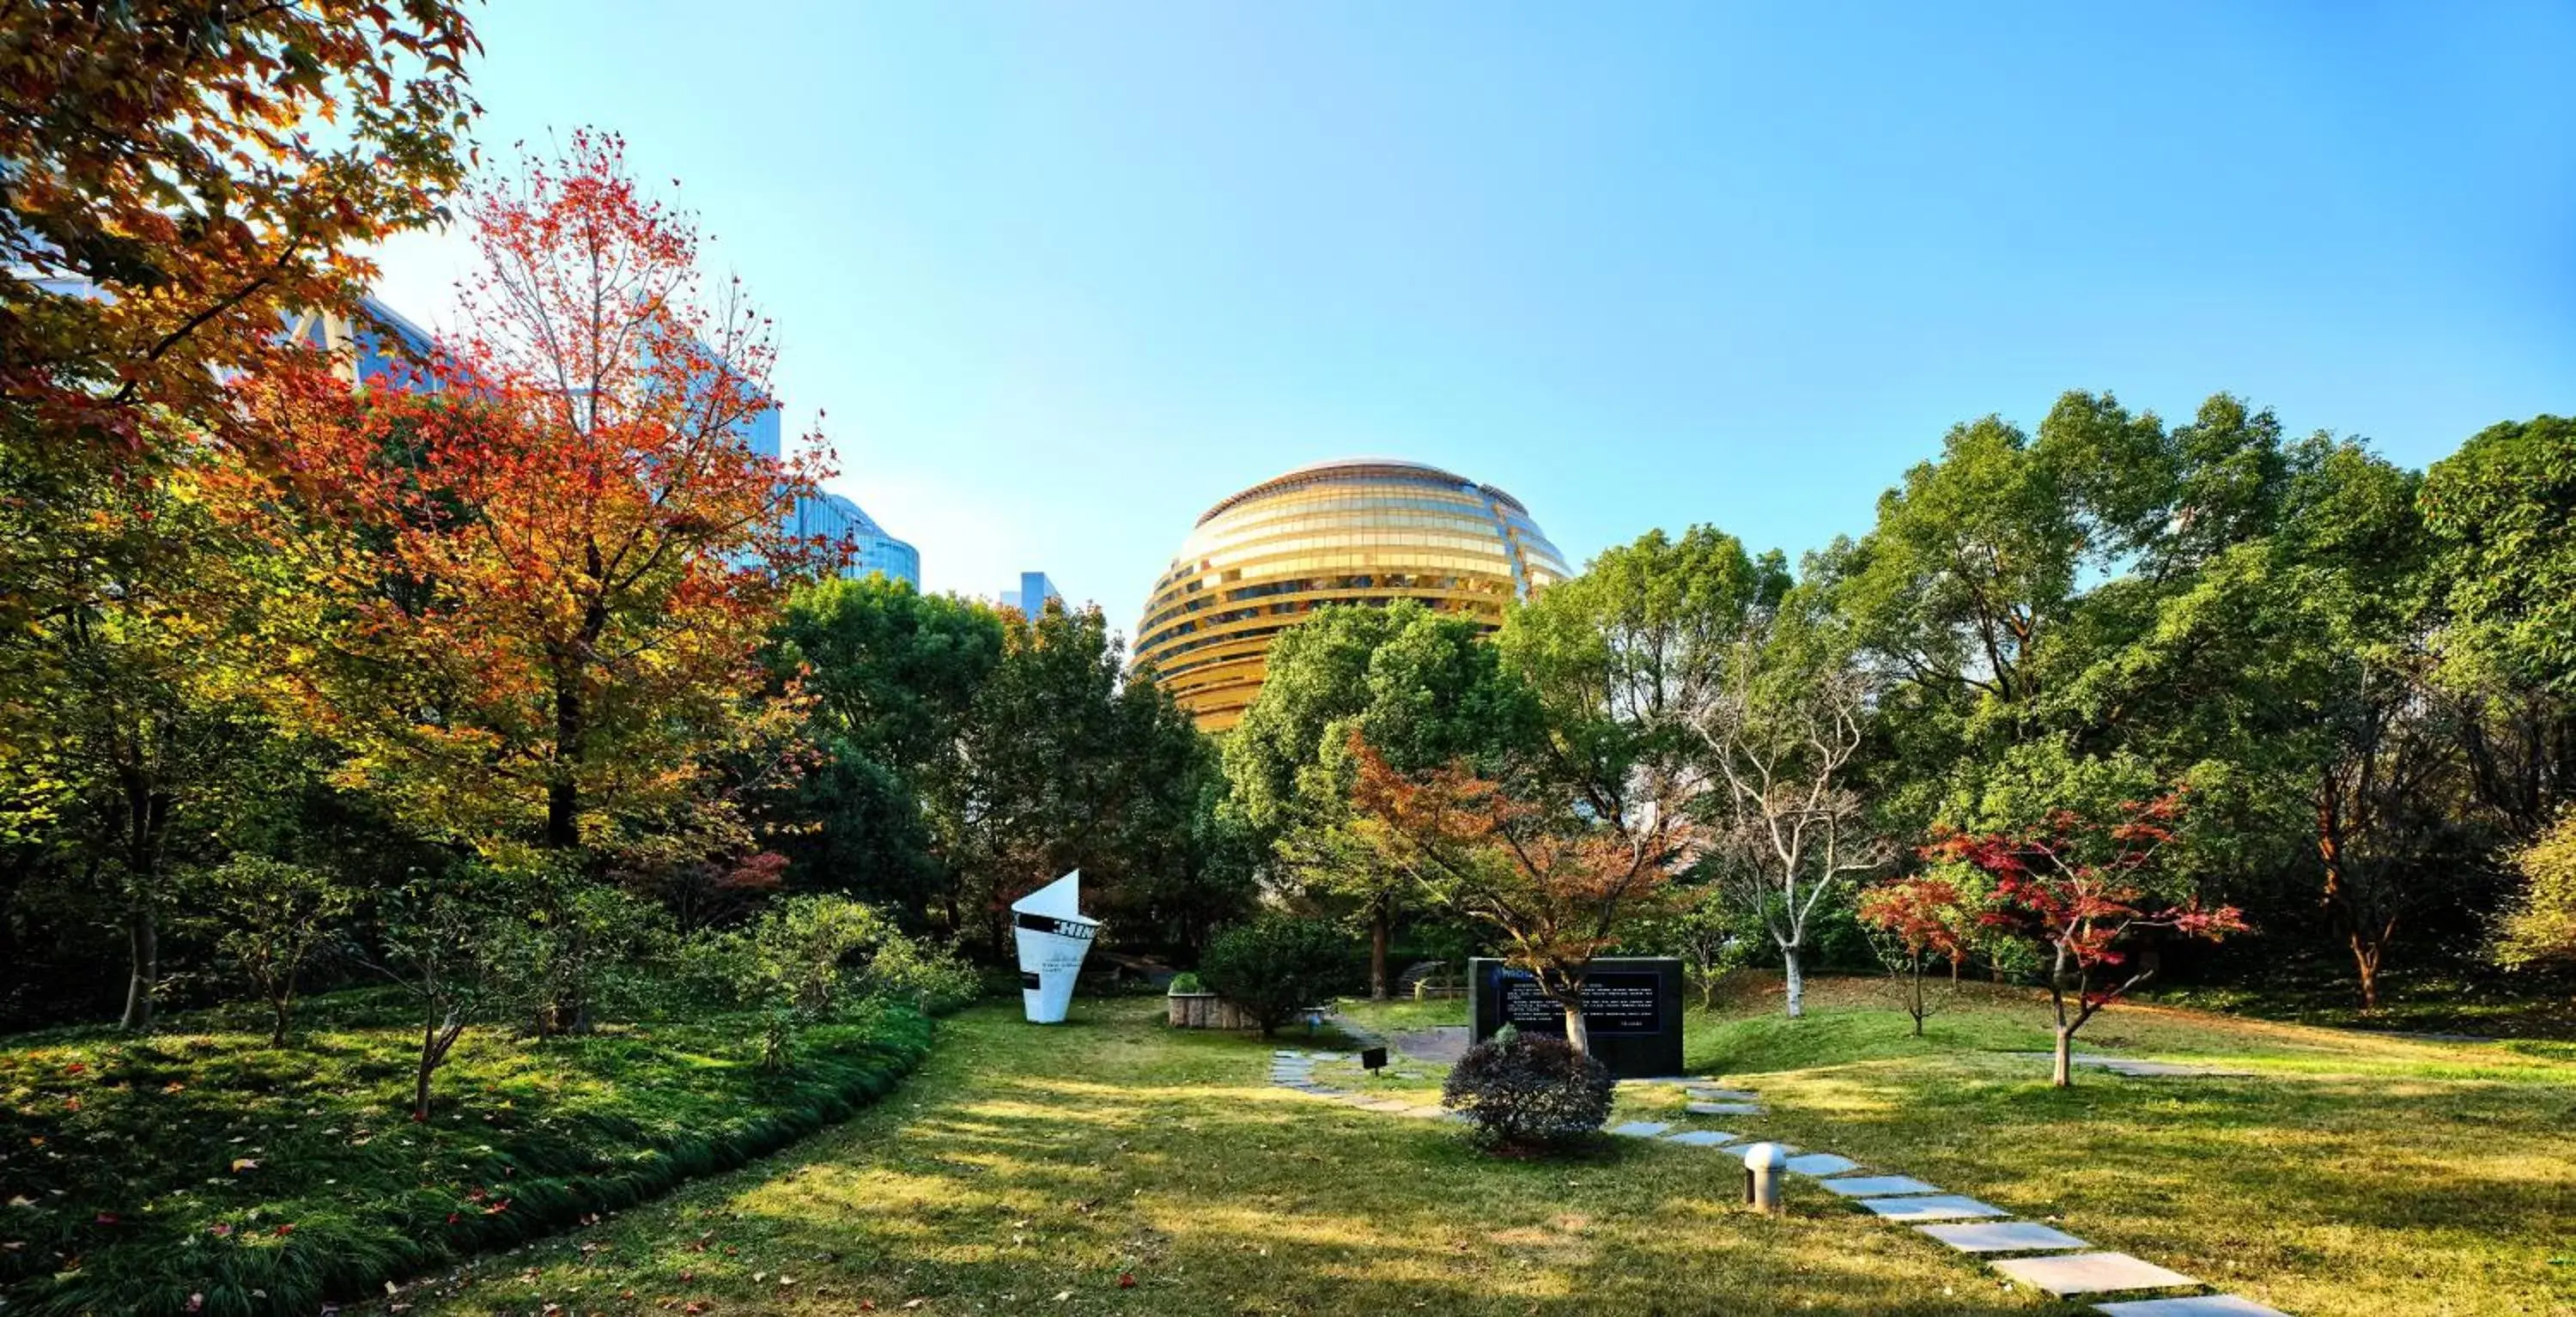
x=1276, y=966
x=1529, y=1091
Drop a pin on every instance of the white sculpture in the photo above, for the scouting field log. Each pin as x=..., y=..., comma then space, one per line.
x=1053, y=936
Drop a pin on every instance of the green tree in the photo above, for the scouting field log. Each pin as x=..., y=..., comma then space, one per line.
x=894, y=675
x=1422, y=687
x=2505, y=506
x=135, y=713
x=1064, y=764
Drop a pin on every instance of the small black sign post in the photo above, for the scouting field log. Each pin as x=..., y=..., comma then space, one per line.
x=1373, y=1059
x=1632, y=1009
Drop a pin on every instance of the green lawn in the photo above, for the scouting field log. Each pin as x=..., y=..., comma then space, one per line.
x=200, y=1170
x=2432, y=1178
x=1027, y=1169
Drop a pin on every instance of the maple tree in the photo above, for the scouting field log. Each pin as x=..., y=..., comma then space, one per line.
x=184, y=176
x=2082, y=891
x=1923, y=919
x=1558, y=882
x=535, y=583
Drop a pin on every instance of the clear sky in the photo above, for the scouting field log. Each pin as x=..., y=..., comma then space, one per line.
x=1062, y=275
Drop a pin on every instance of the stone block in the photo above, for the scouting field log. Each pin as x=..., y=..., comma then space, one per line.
x=2207, y=1305
x=1722, y=1108
x=1877, y=1186
x=1700, y=1138
x=1937, y=1207
x=2091, y=1273
x=2001, y=1236
x=1640, y=1129
x=1819, y=1164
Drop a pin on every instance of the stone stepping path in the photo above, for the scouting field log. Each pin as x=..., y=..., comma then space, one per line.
x=2053, y=1262
x=2028, y=1253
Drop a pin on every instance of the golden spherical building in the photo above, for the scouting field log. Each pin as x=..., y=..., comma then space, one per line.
x=1360, y=531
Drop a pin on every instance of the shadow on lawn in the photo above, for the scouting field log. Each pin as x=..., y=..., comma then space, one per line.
x=1220, y=1195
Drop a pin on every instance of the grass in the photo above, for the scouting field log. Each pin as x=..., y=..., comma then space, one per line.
x=2432, y=1178
x=1028, y=1169
x=199, y=1170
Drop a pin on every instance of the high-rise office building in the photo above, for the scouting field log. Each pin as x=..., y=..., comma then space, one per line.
x=1366, y=531
x=1034, y=592
x=836, y=518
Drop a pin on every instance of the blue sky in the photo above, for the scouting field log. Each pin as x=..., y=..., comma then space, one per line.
x=1062, y=275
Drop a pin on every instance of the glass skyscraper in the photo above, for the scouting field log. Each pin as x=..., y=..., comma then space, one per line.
x=833, y=517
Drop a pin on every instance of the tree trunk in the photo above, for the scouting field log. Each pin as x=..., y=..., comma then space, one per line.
x=2365, y=962
x=563, y=793
x=1918, y=996
x=1796, y=978
x=282, y=1010
x=1380, y=933
x=428, y=1062
x=143, y=948
x=1576, y=1032
x=2061, y=1072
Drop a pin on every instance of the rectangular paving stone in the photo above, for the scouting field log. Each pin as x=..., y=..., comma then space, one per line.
x=1385, y=1104
x=1937, y=1207
x=1821, y=1164
x=1640, y=1129
x=2207, y=1305
x=2000, y=1236
x=1706, y=1094
x=1722, y=1108
x=1877, y=1186
x=2091, y=1273
x=1700, y=1138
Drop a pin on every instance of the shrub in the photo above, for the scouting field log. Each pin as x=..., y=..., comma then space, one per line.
x=1187, y=981
x=272, y=918
x=2540, y=926
x=934, y=979
x=1276, y=966
x=1529, y=1091
x=809, y=959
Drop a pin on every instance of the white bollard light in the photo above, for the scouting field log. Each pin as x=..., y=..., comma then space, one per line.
x=1763, y=1165
x=1053, y=936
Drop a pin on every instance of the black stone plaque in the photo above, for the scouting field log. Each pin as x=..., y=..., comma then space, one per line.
x=1373, y=1058
x=1632, y=1010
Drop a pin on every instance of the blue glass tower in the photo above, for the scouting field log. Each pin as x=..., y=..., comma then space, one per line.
x=834, y=517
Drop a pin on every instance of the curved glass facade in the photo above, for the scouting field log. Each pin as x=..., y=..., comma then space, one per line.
x=1367, y=531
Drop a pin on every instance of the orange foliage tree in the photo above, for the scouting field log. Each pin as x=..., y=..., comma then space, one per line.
x=1559, y=883
x=537, y=579
x=206, y=167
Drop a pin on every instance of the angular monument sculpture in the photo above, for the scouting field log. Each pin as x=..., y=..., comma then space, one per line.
x=1053, y=936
